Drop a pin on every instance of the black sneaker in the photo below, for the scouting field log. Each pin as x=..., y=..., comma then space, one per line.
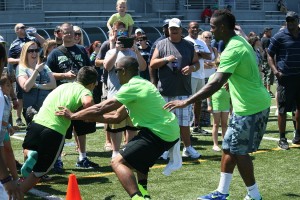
x=19, y=122
x=271, y=94
x=283, y=144
x=87, y=164
x=58, y=166
x=296, y=140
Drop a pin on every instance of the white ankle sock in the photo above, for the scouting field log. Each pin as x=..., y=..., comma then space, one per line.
x=82, y=156
x=253, y=192
x=224, y=183
x=114, y=154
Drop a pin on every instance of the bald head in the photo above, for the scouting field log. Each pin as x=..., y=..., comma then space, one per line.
x=129, y=64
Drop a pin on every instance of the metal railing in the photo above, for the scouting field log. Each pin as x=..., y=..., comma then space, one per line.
x=6, y=5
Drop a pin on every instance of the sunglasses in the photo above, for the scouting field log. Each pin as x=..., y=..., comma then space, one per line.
x=207, y=37
x=33, y=50
x=77, y=34
x=58, y=31
x=22, y=27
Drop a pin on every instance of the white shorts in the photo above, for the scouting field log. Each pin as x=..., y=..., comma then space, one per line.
x=183, y=114
x=197, y=84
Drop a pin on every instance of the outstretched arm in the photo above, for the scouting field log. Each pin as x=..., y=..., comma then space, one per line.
x=95, y=112
x=208, y=90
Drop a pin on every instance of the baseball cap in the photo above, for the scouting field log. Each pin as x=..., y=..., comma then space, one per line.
x=267, y=29
x=175, y=22
x=57, y=28
x=166, y=23
x=2, y=39
x=139, y=30
x=291, y=14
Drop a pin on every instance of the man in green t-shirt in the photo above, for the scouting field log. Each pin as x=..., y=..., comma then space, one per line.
x=250, y=101
x=46, y=134
x=159, y=129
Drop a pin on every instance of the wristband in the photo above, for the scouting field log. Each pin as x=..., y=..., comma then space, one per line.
x=6, y=180
x=165, y=59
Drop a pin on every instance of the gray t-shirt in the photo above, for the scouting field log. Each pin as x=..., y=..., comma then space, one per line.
x=171, y=81
x=113, y=84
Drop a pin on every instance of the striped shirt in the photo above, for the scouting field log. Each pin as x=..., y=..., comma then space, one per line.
x=287, y=51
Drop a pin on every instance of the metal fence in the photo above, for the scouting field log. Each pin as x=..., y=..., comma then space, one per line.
x=6, y=5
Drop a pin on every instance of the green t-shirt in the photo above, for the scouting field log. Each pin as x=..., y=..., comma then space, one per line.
x=247, y=92
x=68, y=95
x=127, y=19
x=220, y=100
x=145, y=108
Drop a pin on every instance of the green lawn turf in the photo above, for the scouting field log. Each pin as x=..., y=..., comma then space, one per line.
x=276, y=172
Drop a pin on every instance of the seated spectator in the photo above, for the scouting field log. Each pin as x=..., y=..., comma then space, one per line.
x=206, y=15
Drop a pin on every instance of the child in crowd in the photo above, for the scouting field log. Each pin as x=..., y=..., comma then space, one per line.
x=121, y=16
x=7, y=129
x=219, y=105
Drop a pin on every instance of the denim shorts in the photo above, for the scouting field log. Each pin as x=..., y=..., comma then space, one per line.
x=183, y=114
x=245, y=133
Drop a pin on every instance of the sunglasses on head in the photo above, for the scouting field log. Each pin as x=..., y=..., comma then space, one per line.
x=33, y=50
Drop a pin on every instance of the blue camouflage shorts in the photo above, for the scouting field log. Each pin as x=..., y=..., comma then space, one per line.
x=245, y=133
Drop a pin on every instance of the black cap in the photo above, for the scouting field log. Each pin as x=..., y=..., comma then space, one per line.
x=267, y=29
x=57, y=28
x=291, y=14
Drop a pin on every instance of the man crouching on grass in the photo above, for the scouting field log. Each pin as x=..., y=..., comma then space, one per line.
x=46, y=133
x=159, y=129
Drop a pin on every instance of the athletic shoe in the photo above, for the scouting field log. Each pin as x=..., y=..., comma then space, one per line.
x=296, y=139
x=87, y=164
x=137, y=197
x=248, y=197
x=271, y=94
x=283, y=144
x=29, y=163
x=190, y=152
x=214, y=195
x=144, y=192
x=199, y=130
x=19, y=122
x=58, y=166
x=216, y=148
x=46, y=178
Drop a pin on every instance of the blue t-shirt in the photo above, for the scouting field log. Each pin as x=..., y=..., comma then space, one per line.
x=286, y=48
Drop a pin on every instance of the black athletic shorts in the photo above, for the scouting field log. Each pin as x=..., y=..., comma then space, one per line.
x=288, y=93
x=144, y=149
x=81, y=128
x=48, y=144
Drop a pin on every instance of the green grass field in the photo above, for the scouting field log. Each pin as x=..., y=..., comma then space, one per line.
x=276, y=171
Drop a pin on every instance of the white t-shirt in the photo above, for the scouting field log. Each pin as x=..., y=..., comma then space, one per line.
x=203, y=48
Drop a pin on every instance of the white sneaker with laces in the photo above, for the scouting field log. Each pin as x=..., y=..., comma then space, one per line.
x=190, y=152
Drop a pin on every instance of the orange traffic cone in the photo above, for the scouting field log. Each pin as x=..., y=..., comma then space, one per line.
x=73, y=192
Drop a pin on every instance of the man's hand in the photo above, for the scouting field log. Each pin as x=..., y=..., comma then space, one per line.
x=187, y=70
x=13, y=190
x=175, y=104
x=278, y=75
x=63, y=111
x=70, y=75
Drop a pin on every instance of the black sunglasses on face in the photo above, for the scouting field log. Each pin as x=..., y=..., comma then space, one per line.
x=77, y=34
x=33, y=50
x=117, y=70
x=290, y=19
x=22, y=27
x=207, y=37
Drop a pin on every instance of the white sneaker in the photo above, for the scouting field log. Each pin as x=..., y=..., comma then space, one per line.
x=216, y=148
x=165, y=155
x=190, y=152
x=175, y=161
